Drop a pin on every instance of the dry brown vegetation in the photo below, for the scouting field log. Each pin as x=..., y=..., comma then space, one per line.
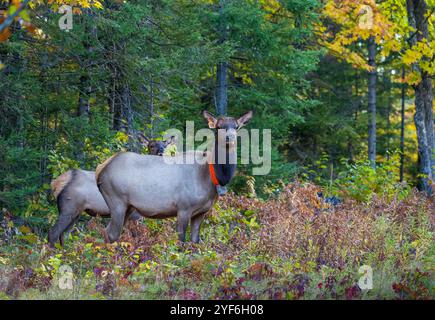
x=295, y=246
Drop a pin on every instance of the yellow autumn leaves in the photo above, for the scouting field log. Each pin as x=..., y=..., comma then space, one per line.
x=355, y=20
x=389, y=27
x=24, y=16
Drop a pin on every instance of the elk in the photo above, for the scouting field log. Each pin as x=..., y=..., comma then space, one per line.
x=157, y=189
x=155, y=147
x=76, y=191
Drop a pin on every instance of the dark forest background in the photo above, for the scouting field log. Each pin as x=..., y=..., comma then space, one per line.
x=71, y=99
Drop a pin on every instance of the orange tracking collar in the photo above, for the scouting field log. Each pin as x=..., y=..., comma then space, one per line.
x=213, y=174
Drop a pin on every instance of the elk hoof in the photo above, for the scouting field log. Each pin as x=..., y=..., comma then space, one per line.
x=181, y=245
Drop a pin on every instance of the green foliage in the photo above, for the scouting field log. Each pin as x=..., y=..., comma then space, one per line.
x=94, y=153
x=361, y=181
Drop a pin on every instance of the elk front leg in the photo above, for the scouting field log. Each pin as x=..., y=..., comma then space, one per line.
x=195, y=224
x=183, y=218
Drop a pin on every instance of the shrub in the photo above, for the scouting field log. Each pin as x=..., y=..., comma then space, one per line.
x=361, y=181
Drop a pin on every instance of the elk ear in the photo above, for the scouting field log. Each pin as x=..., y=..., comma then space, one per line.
x=143, y=139
x=244, y=119
x=169, y=141
x=210, y=119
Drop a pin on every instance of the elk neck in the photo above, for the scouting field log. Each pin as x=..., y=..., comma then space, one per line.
x=224, y=171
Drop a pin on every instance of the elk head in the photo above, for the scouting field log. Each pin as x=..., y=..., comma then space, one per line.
x=225, y=155
x=155, y=147
x=226, y=128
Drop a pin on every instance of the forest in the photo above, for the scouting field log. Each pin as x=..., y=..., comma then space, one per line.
x=344, y=86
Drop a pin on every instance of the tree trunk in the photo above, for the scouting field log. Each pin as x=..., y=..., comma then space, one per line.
x=84, y=85
x=127, y=110
x=121, y=103
x=111, y=94
x=222, y=89
x=85, y=80
x=117, y=107
x=43, y=119
x=388, y=88
x=83, y=108
x=402, y=126
x=423, y=117
x=221, y=69
x=372, y=101
x=84, y=96
x=115, y=96
x=151, y=108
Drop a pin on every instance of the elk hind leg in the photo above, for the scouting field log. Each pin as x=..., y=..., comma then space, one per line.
x=67, y=217
x=118, y=212
x=195, y=224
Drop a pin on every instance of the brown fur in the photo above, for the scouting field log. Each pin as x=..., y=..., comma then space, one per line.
x=58, y=184
x=101, y=166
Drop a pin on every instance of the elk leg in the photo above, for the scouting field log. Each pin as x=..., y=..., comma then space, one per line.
x=114, y=228
x=195, y=224
x=182, y=222
x=128, y=214
x=61, y=241
x=135, y=216
x=66, y=220
x=69, y=227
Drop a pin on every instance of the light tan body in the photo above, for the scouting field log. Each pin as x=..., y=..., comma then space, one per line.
x=155, y=189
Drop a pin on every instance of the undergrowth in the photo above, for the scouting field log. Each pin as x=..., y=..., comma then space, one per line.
x=294, y=246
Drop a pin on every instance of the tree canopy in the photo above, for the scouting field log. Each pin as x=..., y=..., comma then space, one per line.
x=70, y=98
